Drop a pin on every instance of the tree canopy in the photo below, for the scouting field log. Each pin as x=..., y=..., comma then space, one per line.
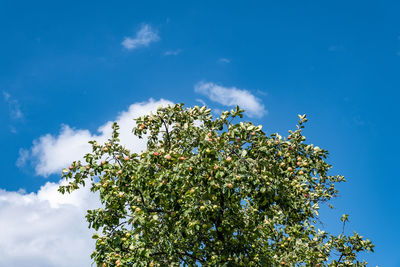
x=211, y=192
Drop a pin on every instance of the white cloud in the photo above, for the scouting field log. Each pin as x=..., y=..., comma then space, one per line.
x=144, y=37
x=172, y=52
x=46, y=228
x=232, y=96
x=51, y=153
x=13, y=105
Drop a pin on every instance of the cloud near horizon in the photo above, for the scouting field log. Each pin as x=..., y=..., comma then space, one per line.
x=144, y=37
x=46, y=228
x=232, y=96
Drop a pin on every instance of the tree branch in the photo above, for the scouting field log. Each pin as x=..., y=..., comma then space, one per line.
x=167, y=133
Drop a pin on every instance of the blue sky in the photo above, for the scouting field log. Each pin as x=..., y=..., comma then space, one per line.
x=69, y=67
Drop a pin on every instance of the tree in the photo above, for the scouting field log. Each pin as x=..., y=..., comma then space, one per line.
x=212, y=193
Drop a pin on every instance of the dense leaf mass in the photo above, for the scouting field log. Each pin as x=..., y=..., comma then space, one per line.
x=213, y=193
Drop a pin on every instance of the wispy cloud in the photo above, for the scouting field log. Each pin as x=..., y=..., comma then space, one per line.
x=335, y=48
x=13, y=129
x=145, y=36
x=172, y=52
x=13, y=105
x=6, y=96
x=232, y=96
x=23, y=157
x=201, y=101
x=224, y=60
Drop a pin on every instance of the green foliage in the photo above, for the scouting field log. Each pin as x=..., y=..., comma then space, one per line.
x=210, y=192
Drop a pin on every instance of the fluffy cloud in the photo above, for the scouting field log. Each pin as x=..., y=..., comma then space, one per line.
x=46, y=228
x=144, y=37
x=50, y=153
x=232, y=96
